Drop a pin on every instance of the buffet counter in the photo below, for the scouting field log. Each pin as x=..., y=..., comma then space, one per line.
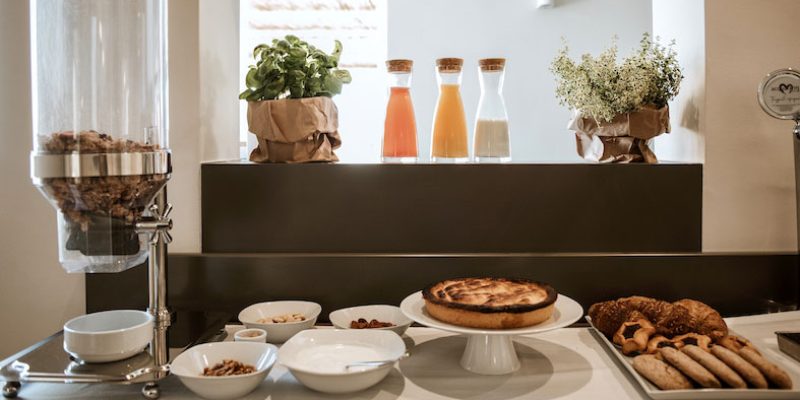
x=563, y=364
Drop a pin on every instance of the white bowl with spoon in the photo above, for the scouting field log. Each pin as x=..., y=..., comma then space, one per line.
x=341, y=361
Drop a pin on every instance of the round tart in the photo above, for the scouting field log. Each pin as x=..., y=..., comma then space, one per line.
x=490, y=303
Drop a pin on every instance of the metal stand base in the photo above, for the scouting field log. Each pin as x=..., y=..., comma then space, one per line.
x=48, y=362
x=151, y=391
x=11, y=390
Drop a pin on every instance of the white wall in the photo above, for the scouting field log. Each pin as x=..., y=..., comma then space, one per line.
x=424, y=30
x=684, y=21
x=749, y=194
x=36, y=295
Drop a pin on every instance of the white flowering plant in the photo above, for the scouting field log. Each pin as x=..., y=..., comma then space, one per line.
x=602, y=88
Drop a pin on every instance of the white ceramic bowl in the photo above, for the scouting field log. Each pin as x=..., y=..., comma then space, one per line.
x=342, y=318
x=189, y=365
x=279, y=333
x=317, y=358
x=250, y=335
x=108, y=336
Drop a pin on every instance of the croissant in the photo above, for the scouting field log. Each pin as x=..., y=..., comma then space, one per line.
x=705, y=320
x=669, y=319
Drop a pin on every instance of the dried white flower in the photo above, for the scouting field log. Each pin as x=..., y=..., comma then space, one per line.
x=601, y=88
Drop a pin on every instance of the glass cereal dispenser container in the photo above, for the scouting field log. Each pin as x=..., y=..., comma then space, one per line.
x=99, y=91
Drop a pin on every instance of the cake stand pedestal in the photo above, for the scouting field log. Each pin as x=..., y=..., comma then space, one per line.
x=491, y=351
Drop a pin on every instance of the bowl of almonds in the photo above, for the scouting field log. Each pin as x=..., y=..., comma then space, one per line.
x=281, y=319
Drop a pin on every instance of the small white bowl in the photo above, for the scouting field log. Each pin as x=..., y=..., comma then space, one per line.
x=342, y=318
x=189, y=365
x=317, y=358
x=280, y=332
x=108, y=336
x=250, y=335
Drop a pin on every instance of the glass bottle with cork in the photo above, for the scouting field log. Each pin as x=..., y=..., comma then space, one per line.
x=491, y=143
x=449, y=138
x=400, y=125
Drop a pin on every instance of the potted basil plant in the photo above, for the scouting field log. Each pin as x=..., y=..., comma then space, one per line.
x=290, y=110
x=620, y=106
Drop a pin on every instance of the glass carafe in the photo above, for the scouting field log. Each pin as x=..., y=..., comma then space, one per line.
x=449, y=138
x=491, y=143
x=400, y=126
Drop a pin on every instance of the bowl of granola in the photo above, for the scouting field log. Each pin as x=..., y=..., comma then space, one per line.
x=281, y=319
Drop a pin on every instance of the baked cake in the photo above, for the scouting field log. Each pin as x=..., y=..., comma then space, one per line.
x=490, y=303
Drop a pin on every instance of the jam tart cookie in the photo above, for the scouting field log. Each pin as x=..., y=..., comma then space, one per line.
x=633, y=336
x=657, y=342
x=735, y=343
x=701, y=341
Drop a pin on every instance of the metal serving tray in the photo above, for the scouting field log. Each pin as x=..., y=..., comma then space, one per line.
x=47, y=361
x=700, y=394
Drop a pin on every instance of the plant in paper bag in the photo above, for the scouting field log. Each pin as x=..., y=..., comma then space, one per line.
x=290, y=110
x=291, y=68
x=621, y=104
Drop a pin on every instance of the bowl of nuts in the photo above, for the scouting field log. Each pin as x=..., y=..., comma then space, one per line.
x=225, y=370
x=383, y=317
x=281, y=319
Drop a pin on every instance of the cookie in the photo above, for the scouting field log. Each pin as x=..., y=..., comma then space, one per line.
x=657, y=342
x=634, y=335
x=701, y=341
x=735, y=343
x=774, y=373
x=717, y=367
x=660, y=373
x=746, y=370
x=690, y=368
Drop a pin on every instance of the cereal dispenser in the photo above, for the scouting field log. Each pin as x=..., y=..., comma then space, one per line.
x=99, y=80
x=101, y=157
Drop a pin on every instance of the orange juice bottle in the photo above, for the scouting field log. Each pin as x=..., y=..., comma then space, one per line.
x=449, y=139
x=400, y=126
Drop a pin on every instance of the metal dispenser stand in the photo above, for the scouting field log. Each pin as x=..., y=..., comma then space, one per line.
x=779, y=96
x=47, y=361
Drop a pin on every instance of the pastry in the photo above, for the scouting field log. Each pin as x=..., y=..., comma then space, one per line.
x=690, y=368
x=657, y=342
x=705, y=320
x=660, y=373
x=669, y=319
x=634, y=335
x=717, y=367
x=701, y=341
x=735, y=343
x=746, y=370
x=490, y=303
x=774, y=374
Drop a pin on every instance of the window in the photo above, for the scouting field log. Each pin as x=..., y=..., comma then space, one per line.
x=424, y=30
x=361, y=27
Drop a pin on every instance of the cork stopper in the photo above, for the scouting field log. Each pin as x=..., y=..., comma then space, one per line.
x=449, y=64
x=399, y=65
x=492, y=64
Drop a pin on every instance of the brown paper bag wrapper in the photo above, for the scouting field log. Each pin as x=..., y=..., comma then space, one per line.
x=294, y=130
x=624, y=139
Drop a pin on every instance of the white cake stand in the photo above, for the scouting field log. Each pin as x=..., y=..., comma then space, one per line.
x=491, y=351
